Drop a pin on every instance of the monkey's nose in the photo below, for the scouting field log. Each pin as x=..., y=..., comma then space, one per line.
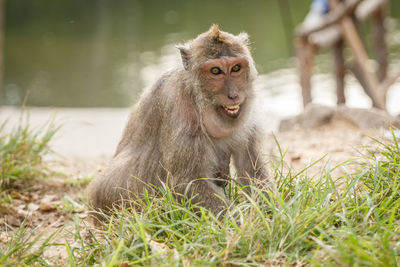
x=232, y=95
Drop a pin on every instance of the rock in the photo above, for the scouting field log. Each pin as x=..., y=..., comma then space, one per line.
x=372, y=118
x=317, y=115
x=33, y=207
x=314, y=115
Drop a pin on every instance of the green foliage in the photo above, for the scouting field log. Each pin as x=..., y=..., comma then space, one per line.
x=78, y=182
x=22, y=151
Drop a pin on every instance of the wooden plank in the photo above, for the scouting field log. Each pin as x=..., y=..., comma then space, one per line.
x=329, y=19
x=368, y=7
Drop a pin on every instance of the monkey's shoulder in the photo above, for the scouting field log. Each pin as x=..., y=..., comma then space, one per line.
x=170, y=78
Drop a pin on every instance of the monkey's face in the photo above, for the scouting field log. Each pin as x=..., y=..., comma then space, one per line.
x=224, y=83
x=220, y=68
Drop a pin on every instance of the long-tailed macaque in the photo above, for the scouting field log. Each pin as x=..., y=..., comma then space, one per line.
x=189, y=125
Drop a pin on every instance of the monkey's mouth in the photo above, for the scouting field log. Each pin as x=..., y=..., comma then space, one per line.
x=232, y=111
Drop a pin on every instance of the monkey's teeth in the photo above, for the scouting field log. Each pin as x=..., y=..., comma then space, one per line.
x=232, y=109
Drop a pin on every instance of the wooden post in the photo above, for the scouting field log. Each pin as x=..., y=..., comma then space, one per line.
x=380, y=48
x=1, y=49
x=339, y=71
x=305, y=57
x=353, y=40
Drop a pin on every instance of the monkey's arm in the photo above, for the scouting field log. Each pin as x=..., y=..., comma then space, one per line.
x=250, y=163
x=188, y=164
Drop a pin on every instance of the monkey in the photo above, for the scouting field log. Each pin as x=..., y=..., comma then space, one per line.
x=188, y=126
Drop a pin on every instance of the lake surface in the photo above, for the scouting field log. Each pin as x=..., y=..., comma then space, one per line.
x=102, y=53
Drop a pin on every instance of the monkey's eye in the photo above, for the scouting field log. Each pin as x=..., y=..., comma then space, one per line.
x=236, y=68
x=216, y=70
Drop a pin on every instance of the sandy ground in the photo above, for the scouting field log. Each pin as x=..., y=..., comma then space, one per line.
x=88, y=133
x=330, y=145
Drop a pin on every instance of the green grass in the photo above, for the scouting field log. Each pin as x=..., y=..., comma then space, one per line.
x=22, y=151
x=26, y=247
x=352, y=220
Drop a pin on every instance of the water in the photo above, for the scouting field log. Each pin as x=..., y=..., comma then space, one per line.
x=102, y=53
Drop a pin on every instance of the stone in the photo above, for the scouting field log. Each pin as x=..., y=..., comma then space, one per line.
x=315, y=115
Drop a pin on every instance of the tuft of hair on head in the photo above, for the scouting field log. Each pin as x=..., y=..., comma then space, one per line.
x=217, y=35
x=244, y=38
x=214, y=31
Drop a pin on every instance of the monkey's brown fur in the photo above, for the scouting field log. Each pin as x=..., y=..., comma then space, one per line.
x=181, y=127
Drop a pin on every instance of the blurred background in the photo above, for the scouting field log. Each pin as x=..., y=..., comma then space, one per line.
x=101, y=53
x=88, y=61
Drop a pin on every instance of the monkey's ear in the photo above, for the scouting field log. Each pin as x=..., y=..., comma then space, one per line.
x=185, y=55
x=244, y=37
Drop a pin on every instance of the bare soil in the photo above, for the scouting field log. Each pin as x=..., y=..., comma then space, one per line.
x=334, y=143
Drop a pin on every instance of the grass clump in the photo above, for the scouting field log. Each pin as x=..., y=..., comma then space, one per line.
x=26, y=247
x=22, y=151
